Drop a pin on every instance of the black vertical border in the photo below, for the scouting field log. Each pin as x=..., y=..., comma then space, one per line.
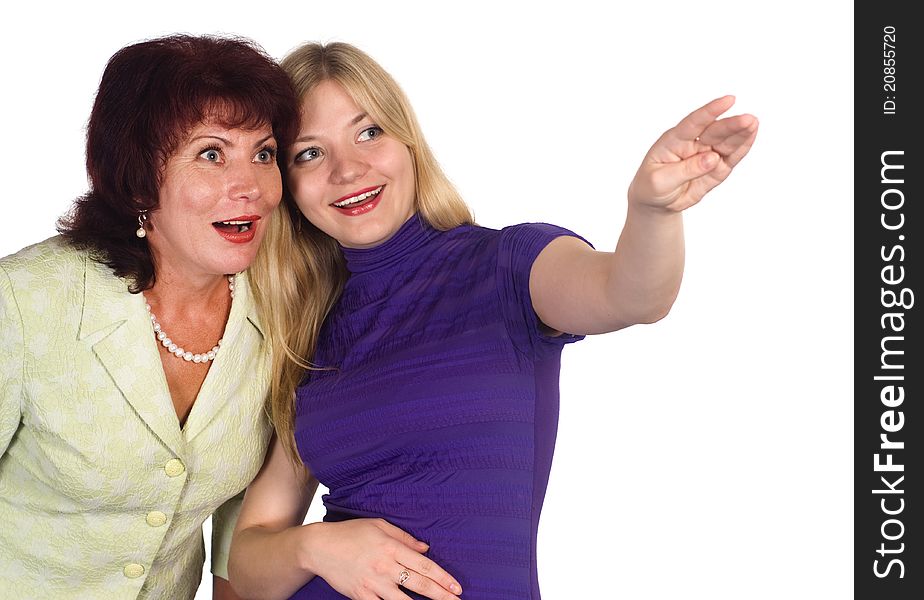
x=878, y=262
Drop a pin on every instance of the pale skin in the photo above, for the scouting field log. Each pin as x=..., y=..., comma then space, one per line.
x=215, y=174
x=581, y=291
x=574, y=289
x=273, y=554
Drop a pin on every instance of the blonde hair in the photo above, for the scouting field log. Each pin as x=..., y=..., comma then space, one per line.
x=299, y=273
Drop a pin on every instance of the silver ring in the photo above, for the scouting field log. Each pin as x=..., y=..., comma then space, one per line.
x=403, y=576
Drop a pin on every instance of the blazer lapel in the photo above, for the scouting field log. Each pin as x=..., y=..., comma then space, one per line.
x=125, y=345
x=238, y=368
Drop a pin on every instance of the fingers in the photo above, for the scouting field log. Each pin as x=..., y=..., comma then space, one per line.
x=426, y=587
x=390, y=593
x=386, y=594
x=722, y=144
x=740, y=144
x=732, y=137
x=726, y=130
x=694, y=157
x=695, y=123
x=423, y=575
x=398, y=574
x=426, y=571
x=402, y=536
x=384, y=584
x=673, y=176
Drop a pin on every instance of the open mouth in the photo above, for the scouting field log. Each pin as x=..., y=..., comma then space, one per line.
x=233, y=226
x=239, y=229
x=359, y=199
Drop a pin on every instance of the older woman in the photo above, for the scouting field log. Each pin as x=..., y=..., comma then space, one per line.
x=134, y=368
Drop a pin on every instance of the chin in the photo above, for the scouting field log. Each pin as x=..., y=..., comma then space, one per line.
x=369, y=235
x=364, y=242
x=239, y=262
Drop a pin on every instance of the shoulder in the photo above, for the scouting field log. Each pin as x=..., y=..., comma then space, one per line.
x=469, y=236
x=52, y=258
x=523, y=241
x=462, y=248
x=45, y=276
x=534, y=230
x=475, y=233
x=529, y=239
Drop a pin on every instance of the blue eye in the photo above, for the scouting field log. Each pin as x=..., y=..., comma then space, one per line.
x=211, y=154
x=308, y=154
x=266, y=155
x=370, y=133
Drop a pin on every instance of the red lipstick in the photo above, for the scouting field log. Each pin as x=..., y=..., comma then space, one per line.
x=237, y=230
x=365, y=201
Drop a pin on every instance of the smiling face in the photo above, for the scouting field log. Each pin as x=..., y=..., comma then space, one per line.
x=218, y=190
x=350, y=179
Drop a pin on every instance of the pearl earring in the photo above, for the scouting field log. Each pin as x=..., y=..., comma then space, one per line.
x=142, y=219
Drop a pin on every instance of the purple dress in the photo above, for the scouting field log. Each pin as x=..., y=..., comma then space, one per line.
x=441, y=409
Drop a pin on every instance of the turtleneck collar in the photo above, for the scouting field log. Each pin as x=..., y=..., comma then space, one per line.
x=411, y=236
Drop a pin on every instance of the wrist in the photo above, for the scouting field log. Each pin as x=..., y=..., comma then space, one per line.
x=641, y=210
x=311, y=545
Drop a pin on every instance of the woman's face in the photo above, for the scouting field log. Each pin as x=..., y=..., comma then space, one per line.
x=219, y=187
x=349, y=178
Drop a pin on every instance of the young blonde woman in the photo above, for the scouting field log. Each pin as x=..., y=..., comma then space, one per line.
x=430, y=410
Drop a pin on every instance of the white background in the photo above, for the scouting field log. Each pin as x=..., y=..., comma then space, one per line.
x=706, y=456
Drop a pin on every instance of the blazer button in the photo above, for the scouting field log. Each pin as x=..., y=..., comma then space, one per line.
x=156, y=518
x=174, y=467
x=133, y=570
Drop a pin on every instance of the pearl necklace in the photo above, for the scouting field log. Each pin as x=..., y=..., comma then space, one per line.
x=177, y=351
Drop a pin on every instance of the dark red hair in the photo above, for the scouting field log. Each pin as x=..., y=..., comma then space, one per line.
x=151, y=95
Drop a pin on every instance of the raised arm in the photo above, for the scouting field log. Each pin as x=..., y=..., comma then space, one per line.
x=273, y=554
x=578, y=290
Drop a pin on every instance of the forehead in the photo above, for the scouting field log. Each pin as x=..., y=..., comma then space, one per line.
x=329, y=106
x=219, y=127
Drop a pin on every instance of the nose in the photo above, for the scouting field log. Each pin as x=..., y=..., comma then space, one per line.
x=244, y=181
x=347, y=167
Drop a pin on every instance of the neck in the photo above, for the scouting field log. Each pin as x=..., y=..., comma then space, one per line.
x=189, y=295
x=411, y=236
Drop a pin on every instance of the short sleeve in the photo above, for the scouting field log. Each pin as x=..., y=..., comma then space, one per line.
x=518, y=248
x=11, y=362
x=223, y=521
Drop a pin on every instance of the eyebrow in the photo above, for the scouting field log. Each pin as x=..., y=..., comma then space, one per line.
x=357, y=119
x=210, y=137
x=228, y=142
x=263, y=141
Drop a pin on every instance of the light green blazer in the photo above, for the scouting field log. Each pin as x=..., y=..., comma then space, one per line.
x=102, y=495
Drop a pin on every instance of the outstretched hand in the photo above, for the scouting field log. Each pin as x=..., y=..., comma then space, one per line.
x=693, y=157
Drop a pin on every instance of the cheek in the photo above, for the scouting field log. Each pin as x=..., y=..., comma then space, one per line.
x=271, y=187
x=189, y=196
x=171, y=210
x=401, y=166
x=307, y=193
x=309, y=210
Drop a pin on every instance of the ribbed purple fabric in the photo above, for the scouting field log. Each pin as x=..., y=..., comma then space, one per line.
x=440, y=409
